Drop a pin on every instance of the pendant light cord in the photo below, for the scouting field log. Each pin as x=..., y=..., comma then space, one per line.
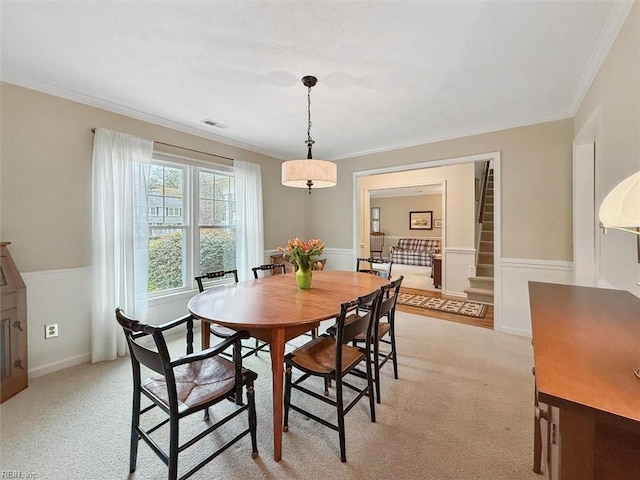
x=309, y=141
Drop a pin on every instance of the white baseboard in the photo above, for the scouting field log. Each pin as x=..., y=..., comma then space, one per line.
x=59, y=365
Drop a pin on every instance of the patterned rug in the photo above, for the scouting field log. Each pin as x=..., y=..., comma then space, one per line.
x=460, y=307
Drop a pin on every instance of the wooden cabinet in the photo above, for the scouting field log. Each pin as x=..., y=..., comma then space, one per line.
x=13, y=328
x=586, y=344
x=437, y=270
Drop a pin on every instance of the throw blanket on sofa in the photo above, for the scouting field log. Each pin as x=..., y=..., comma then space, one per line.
x=415, y=251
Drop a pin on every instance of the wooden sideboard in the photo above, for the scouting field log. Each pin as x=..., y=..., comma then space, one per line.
x=13, y=328
x=586, y=344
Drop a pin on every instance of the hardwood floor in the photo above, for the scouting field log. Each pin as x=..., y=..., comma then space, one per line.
x=486, y=322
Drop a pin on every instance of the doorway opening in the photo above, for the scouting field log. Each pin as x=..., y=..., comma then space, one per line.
x=459, y=247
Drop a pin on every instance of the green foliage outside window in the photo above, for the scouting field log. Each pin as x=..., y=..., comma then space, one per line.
x=217, y=252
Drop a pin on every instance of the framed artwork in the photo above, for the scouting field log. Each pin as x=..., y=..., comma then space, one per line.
x=375, y=225
x=437, y=223
x=422, y=220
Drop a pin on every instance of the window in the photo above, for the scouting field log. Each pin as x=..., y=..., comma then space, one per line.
x=191, y=223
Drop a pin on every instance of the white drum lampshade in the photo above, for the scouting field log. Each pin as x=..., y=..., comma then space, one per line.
x=621, y=207
x=322, y=173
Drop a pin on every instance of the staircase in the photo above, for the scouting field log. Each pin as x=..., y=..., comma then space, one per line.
x=481, y=286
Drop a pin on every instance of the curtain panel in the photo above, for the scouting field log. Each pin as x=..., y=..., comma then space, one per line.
x=249, y=225
x=120, y=237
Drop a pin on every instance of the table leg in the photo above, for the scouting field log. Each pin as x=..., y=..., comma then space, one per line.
x=205, y=337
x=277, y=372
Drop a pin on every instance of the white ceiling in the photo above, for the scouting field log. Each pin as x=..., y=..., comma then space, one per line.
x=390, y=74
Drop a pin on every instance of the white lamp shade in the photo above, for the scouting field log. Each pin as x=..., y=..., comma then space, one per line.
x=621, y=207
x=296, y=173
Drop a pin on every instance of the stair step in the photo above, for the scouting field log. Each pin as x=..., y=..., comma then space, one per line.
x=479, y=295
x=485, y=283
x=485, y=258
x=486, y=236
x=486, y=246
x=487, y=217
x=483, y=270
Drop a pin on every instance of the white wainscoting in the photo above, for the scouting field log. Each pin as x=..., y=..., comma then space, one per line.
x=62, y=297
x=455, y=270
x=514, y=316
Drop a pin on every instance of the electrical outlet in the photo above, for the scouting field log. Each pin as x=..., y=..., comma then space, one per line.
x=51, y=330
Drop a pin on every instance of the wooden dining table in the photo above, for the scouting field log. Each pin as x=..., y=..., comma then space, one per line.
x=275, y=310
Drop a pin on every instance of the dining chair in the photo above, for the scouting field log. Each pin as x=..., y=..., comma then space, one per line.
x=332, y=358
x=376, y=244
x=225, y=332
x=384, y=332
x=269, y=267
x=367, y=265
x=182, y=386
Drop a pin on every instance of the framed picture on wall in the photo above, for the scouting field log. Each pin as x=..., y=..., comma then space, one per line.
x=437, y=223
x=422, y=220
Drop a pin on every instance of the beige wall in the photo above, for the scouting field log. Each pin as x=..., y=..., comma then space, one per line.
x=611, y=113
x=46, y=153
x=536, y=187
x=394, y=214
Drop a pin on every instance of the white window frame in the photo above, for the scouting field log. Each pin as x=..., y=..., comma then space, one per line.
x=190, y=217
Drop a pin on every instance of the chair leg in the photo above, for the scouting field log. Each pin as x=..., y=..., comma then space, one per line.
x=287, y=398
x=376, y=369
x=341, y=432
x=372, y=402
x=173, y=448
x=135, y=438
x=392, y=336
x=252, y=420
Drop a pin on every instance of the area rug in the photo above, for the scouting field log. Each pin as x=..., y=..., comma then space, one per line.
x=460, y=307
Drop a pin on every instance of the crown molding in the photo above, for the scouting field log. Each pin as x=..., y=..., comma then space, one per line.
x=617, y=16
x=91, y=101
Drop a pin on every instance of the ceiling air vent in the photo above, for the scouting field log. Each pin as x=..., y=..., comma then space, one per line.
x=213, y=123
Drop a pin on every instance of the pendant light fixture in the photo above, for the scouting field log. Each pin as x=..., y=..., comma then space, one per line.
x=310, y=172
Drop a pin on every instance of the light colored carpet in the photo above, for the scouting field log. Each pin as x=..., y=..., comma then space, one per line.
x=461, y=409
x=414, y=276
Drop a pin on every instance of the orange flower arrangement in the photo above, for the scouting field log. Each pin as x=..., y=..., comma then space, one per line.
x=305, y=254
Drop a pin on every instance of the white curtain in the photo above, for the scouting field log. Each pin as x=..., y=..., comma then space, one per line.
x=120, y=267
x=249, y=226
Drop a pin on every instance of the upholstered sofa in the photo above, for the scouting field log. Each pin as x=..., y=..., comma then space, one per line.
x=415, y=251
